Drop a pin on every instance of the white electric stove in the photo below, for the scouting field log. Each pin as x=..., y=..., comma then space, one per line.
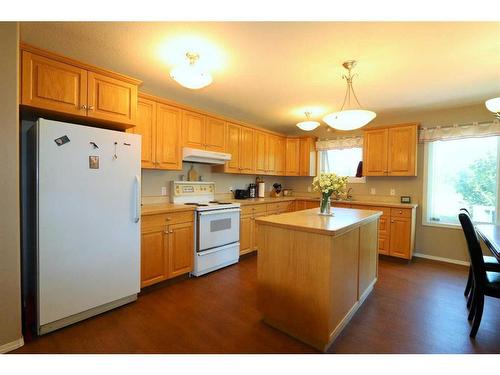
x=217, y=225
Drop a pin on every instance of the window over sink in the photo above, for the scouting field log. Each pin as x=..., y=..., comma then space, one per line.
x=343, y=162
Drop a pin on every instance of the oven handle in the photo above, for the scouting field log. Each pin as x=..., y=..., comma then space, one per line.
x=218, y=212
x=217, y=249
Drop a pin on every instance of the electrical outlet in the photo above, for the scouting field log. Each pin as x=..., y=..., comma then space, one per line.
x=393, y=191
x=373, y=191
x=308, y=189
x=163, y=190
x=230, y=188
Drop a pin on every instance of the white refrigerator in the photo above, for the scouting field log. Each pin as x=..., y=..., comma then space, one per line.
x=87, y=211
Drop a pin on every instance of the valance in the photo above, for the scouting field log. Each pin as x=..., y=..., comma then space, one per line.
x=459, y=131
x=339, y=143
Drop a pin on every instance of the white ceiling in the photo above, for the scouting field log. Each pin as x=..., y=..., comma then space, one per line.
x=266, y=73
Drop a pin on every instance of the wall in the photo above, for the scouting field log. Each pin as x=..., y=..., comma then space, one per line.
x=153, y=180
x=10, y=288
x=434, y=241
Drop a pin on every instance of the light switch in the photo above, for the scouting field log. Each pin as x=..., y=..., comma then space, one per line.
x=393, y=192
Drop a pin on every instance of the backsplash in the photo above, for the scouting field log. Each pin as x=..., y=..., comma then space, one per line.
x=154, y=180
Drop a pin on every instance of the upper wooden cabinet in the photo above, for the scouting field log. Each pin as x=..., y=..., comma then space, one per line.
x=56, y=84
x=390, y=151
x=203, y=132
x=307, y=162
x=261, y=141
x=280, y=156
x=292, y=160
x=160, y=127
x=240, y=144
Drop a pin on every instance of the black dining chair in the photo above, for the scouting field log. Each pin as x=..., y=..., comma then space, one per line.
x=491, y=264
x=485, y=283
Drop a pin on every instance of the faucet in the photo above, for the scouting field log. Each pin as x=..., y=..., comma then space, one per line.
x=348, y=194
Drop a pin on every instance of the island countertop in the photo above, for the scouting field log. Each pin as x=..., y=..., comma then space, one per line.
x=343, y=220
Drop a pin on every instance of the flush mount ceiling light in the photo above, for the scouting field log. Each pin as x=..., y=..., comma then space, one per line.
x=308, y=125
x=493, y=105
x=190, y=75
x=351, y=117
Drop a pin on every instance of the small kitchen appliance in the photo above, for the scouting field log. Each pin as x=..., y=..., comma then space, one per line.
x=217, y=225
x=241, y=194
x=252, y=190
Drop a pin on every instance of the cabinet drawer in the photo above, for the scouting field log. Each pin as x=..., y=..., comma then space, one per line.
x=278, y=207
x=401, y=212
x=252, y=209
x=151, y=221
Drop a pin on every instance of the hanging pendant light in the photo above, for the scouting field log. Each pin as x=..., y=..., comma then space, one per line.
x=190, y=75
x=493, y=105
x=350, y=118
x=308, y=125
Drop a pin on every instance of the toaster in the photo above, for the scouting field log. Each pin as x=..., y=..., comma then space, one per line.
x=240, y=194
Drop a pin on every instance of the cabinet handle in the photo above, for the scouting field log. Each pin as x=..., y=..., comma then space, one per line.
x=168, y=219
x=166, y=232
x=83, y=107
x=392, y=221
x=400, y=211
x=172, y=231
x=91, y=107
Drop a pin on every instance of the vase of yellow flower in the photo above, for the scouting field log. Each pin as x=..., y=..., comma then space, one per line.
x=329, y=184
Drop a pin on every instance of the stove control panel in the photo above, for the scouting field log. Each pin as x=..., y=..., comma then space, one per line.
x=190, y=189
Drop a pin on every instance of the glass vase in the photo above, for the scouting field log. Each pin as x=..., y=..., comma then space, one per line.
x=325, y=205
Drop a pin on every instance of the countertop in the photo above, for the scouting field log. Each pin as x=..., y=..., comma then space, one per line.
x=316, y=199
x=344, y=219
x=162, y=208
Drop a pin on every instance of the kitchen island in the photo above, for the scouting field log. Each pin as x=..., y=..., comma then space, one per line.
x=315, y=271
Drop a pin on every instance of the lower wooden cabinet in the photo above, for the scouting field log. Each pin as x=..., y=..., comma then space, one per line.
x=167, y=250
x=400, y=237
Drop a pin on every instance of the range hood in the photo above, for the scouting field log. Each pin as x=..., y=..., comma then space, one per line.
x=201, y=156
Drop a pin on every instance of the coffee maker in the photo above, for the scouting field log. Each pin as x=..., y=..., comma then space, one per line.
x=252, y=190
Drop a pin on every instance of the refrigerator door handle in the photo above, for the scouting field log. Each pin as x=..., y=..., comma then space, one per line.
x=137, y=199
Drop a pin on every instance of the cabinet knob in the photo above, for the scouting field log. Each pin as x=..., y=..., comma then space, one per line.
x=172, y=231
x=168, y=219
x=392, y=221
x=83, y=107
x=400, y=211
x=166, y=232
x=91, y=107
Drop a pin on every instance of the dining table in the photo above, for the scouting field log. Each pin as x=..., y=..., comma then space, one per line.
x=490, y=234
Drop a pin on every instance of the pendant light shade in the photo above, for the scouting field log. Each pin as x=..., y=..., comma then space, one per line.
x=352, y=117
x=191, y=75
x=493, y=105
x=309, y=124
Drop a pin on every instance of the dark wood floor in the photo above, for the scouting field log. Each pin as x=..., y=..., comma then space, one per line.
x=415, y=308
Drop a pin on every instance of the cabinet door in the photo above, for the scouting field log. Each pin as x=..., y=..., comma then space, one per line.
x=383, y=245
x=254, y=229
x=307, y=159
x=111, y=99
x=375, y=152
x=233, y=135
x=168, y=137
x=146, y=128
x=193, y=129
x=260, y=140
x=154, y=260
x=400, y=237
x=280, y=156
x=312, y=204
x=52, y=85
x=180, y=249
x=246, y=234
x=300, y=205
x=215, y=139
x=272, y=147
x=292, y=157
x=402, y=151
x=246, y=150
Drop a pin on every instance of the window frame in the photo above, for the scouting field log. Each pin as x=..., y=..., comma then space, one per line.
x=350, y=179
x=426, y=193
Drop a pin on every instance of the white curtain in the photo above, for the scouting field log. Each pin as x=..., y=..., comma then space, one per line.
x=339, y=143
x=472, y=130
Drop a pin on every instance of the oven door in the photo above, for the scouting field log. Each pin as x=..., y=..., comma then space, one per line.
x=218, y=228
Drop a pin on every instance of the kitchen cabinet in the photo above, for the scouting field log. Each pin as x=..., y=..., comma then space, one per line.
x=240, y=144
x=400, y=237
x=292, y=159
x=160, y=127
x=307, y=161
x=306, y=204
x=390, y=151
x=279, y=156
x=55, y=84
x=203, y=132
x=246, y=234
x=180, y=249
x=167, y=246
x=261, y=141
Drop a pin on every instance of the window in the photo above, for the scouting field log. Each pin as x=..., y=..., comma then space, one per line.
x=343, y=162
x=462, y=173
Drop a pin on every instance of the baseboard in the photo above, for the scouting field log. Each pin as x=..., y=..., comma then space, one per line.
x=10, y=346
x=441, y=259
